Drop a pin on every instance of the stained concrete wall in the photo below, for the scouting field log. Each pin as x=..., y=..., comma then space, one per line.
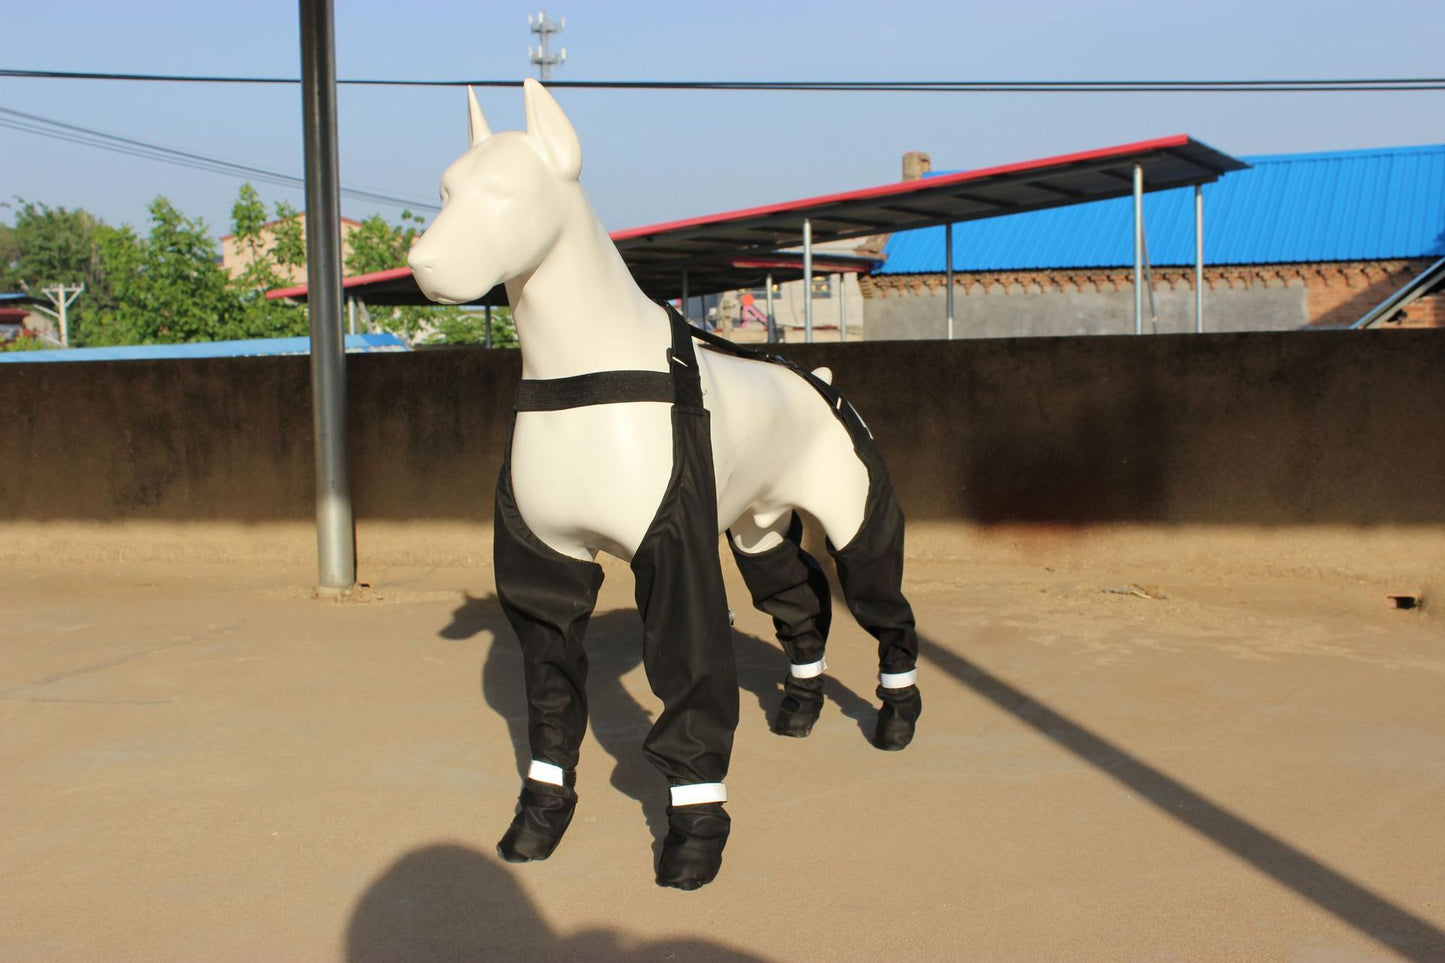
x=1265, y=429
x=1064, y=313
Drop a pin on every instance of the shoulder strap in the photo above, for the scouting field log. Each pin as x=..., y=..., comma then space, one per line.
x=597, y=388
x=682, y=360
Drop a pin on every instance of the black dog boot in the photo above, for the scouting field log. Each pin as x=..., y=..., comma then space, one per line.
x=898, y=717
x=692, y=850
x=543, y=813
x=802, y=702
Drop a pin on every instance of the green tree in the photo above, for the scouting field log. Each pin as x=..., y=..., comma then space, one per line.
x=168, y=285
x=269, y=249
x=470, y=327
x=54, y=245
x=379, y=246
x=24, y=343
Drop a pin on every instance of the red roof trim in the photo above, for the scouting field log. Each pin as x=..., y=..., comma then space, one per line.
x=390, y=274
x=907, y=187
x=884, y=190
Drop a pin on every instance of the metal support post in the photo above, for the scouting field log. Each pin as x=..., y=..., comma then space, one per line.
x=1198, y=258
x=807, y=280
x=948, y=275
x=1138, y=248
x=350, y=314
x=772, y=321
x=842, y=307
x=335, y=536
x=489, y=325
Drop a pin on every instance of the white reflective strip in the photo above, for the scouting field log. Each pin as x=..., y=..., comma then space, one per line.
x=702, y=792
x=545, y=772
x=897, y=680
x=809, y=671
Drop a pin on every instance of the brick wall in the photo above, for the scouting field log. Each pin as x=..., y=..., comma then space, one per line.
x=1427, y=312
x=1335, y=292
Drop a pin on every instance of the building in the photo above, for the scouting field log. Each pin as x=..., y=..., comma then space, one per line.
x=1295, y=240
x=235, y=257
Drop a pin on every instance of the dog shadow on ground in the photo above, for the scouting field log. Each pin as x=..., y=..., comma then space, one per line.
x=616, y=719
x=448, y=902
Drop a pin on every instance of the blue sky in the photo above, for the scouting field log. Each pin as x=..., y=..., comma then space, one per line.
x=658, y=156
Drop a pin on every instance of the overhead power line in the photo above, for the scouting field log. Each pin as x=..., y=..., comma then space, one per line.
x=89, y=137
x=1311, y=85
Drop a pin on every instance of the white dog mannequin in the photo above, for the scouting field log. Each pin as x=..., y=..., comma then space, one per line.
x=598, y=477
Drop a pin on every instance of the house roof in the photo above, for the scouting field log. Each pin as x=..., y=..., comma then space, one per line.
x=1284, y=208
x=711, y=248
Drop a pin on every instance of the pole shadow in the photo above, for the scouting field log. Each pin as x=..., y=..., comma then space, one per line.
x=450, y=903
x=617, y=720
x=1349, y=902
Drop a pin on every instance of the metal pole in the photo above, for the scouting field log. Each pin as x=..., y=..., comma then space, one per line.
x=948, y=275
x=807, y=280
x=489, y=325
x=1138, y=248
x=1198, y=258
x=772, y=321
x=842, y=307
x=350, y=314
x=335, y=537
x=684, y=294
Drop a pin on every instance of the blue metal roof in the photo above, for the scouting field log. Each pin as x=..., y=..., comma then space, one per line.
x=355, y=343
x=1336, y=206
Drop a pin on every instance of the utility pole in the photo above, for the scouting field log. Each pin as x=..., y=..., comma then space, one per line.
x=541, y=55
x=62, y=296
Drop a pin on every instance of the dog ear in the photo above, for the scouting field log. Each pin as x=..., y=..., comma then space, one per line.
x=477, y=129
x=552, y=131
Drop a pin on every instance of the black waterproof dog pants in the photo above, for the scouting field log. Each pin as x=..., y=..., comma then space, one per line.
x=687, y=644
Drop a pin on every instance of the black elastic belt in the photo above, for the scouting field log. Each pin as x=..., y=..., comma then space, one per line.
x=597, y=388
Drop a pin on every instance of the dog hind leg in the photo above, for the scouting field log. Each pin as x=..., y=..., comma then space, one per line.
x=870, y=572
x=788, y=584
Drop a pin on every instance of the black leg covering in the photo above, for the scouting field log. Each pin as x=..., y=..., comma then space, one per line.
x=687, y=647
x=788, y=584
x=802, y=704
x=870, y=572
x=898, y=717
x=548, y=599
x=692, y=850
x=544, y=812
x=687, y=652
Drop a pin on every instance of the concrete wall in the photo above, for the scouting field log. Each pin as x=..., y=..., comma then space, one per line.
x=1259, y=429
x=1063, y=313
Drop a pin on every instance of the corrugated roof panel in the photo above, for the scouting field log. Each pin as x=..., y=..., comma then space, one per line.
x=354, y=344
x=1336, y=206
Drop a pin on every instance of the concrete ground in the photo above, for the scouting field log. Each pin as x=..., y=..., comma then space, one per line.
x=1189, y=758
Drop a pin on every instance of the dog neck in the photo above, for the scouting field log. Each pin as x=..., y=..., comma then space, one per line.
x=579, y=310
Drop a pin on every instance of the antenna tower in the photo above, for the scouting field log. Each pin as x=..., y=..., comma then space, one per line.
x=541, y=55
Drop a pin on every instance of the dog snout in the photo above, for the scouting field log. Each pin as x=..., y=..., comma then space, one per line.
x=420, y=259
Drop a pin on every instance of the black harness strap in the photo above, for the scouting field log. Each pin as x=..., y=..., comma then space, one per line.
x=681, y=385
x=597, y=388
